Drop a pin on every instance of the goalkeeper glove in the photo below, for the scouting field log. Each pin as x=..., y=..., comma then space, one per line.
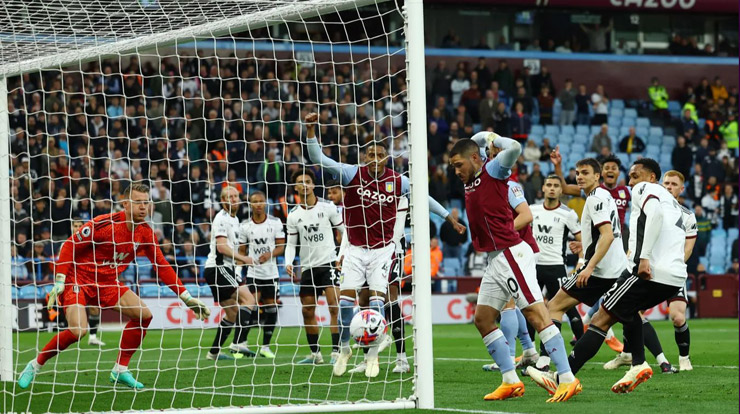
x=56, y=291
x=199, y=308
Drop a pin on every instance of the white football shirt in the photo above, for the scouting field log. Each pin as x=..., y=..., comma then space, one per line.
x=550, y=228
x=601, y=210
x=315, y=230
x=261, y=238
x=666, y=259
x=224, y=225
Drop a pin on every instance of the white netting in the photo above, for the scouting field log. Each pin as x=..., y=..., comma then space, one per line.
x=188, y=118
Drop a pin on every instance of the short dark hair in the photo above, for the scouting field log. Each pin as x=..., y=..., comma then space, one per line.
x=612, y=158
x=258, y=193
x=592, y=162
x=553, y=177
x=331, y=183
x=651, y=165
x=135, y=186
x=299, y=173
x=464, y=147
x=371, y=141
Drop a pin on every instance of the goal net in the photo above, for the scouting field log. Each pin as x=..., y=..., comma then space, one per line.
x=191, y=97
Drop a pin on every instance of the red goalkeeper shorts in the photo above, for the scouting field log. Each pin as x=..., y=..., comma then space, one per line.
x=105, y=296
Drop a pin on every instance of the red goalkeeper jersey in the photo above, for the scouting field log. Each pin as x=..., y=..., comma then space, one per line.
x=104, y=247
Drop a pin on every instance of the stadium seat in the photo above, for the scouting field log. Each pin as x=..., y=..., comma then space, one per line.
x=630, y=113
x=719, y=233
x=654, y=140
x=701, y=123
x=667, y=149
x=537, y=129
x=536, y=138
x=595, y=129
x=617, y=104
x=669, y=140
x=144, y=267
x=732, y=234
x=567, y=129
x=166, y=292
x=193, y=288
x=643, y=122
x=289, y=289
x=578, y=148
x=545, y=167
x=616, y=113
x=565, y=139
x=656, y=130
x=580, y=139
x=704, y=261
x=624, y=158
x=664, y=159
x=28, y=292
x=529, y=165
x=452, y=267
x=642, y=131
x=205, y=291
x=634, y=157
x=615, y=123
x=149, y=290
x=652, y=151
x=13, y=293
x=477, y=128
x=44, y=289
x=552, y=130
x=582, y=129
x=674, y=107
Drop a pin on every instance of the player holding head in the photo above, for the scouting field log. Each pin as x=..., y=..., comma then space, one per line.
x=673, y=181
x=93, y=312
x=87, y=274
x=603, y=261
x=222, y=276
x=657, y=271
x=311, y=225
x=263, y=239
x=511, y=263
x=370, y=211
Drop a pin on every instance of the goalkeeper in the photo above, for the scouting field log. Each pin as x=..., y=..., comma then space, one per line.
x=87, y=275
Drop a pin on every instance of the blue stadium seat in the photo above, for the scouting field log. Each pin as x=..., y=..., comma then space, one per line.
x=589, y=154
x=28, y=292
x=529, y=165
x=44, y=289
x=664, y=159
x=582, y=129
x=166, y=292
x=615, y=123
x=617, y=104
x=477, y=128
x=537, y=129
x=595, y=129
x=616, y=113
x=452, y=267
x=674, y=107
x=289, y=289
x=656, y=130
x=193, y=288
x=578, y=148
x=624, y=131
x=13, y=292
x=144, y=267
x=654, y=140
x=545, y=167
x=624, y=158
x=732, y=234
x=567, y=129
x=642, y=131
x=669, y=140
x=537, y=138
x=630, y=113
x=204, y=291
x=716, y=269
x=719, y=233
x=580, y=139
x=634, y=157
x=643, y=122
x=149, y=290
x=668, y=149
x=565, y=139
x=704, y=261
x=552, y=130
x=701, y=123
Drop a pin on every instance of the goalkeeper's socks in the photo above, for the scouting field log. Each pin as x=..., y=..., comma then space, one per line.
x=523, y=331
x=576, y=323
x=509, y=326
x=313, y=342
x=58, y=343
x=683, y=339
x=377, y=303
x=93, y=321
x=555, y=347
x=651, y=341
x=222, y=333
x=243, y=320
x=586, y=348
x=499, y=350
x=335, y=342
x=271, y=315
x=133, y=333
x=346, y=312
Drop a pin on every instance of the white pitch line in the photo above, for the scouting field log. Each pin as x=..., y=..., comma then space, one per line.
x=460, y=410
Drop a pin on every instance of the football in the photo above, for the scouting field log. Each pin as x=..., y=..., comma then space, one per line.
x=368, y=327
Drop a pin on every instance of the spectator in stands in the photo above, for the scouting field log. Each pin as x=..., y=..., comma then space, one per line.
x=704, y=230
x=710, y=199
x=486, y=109
x=695, y=188
x=458, y=86
x=436, y=255
x=471, y=100
x=659, y=98
x=730, y=133
x=632, y=143
x=718, y=90
x=545, y=150
x=476, y=263
x=682, y=158
x=728, y=208
x=484, y=74
x=19, y=266
x=597, y=36
x=523, y=98
x=583, y=116
x=441, y=78
x=564, y=48
x=567, y=98
x=451, y=40
x=604, y=153
x=452, y=241
x=712, y=167
x=272, y=173
x=602, y=139
x=546, y=102
x=521, y=124
x=502, y=120
x=688, y=124
x=504, y=77
x=531, y=152
x=600, y=104
x=541, y=80
x=534, y=46
x=438, y=187
x=436, y=142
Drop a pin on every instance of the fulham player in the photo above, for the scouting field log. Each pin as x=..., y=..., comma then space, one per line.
x=87, y=274
x=511, y=263
x=370, y=211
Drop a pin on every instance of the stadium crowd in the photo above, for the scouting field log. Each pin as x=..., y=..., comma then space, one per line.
x=191, y=126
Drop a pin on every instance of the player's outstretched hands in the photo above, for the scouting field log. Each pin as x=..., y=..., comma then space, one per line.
x=555, y=157
x=199, y=308
x=57, y=290
x=643, y=270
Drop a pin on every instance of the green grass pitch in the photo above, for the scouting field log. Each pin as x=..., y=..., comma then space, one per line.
x=177, y=375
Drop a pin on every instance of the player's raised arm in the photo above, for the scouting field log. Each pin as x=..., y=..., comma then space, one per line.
x=557, y=162
x=345, y=172
x=434, y=207
x=503, y=151
x=166, y=274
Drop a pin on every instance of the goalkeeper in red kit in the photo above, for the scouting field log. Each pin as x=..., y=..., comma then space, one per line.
x=87, y=274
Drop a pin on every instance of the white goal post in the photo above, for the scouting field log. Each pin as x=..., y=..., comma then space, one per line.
x=64, y=35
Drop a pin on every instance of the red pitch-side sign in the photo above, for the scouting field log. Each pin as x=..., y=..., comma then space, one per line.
x=703, y=6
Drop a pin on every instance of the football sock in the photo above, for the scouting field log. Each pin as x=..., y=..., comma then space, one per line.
x=335, y=342
x=58, y=343
x=397, y=327
x=586, y=348
x=222, y=333
x=346, y=312
x=651, y=340
x=523, y=332
x=683, y=339
x=509, y=326
x=313, y=342
x=377, y=303
x=271, y=315
x=93, y=321
x=499, y=350
x=243, y=318
x=633, y=331
x=133, y=333
x=253, y=322
x=555, y=346
x=576, y=323
x=543, y=348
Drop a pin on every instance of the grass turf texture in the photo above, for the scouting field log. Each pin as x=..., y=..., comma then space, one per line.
x=179, y=376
